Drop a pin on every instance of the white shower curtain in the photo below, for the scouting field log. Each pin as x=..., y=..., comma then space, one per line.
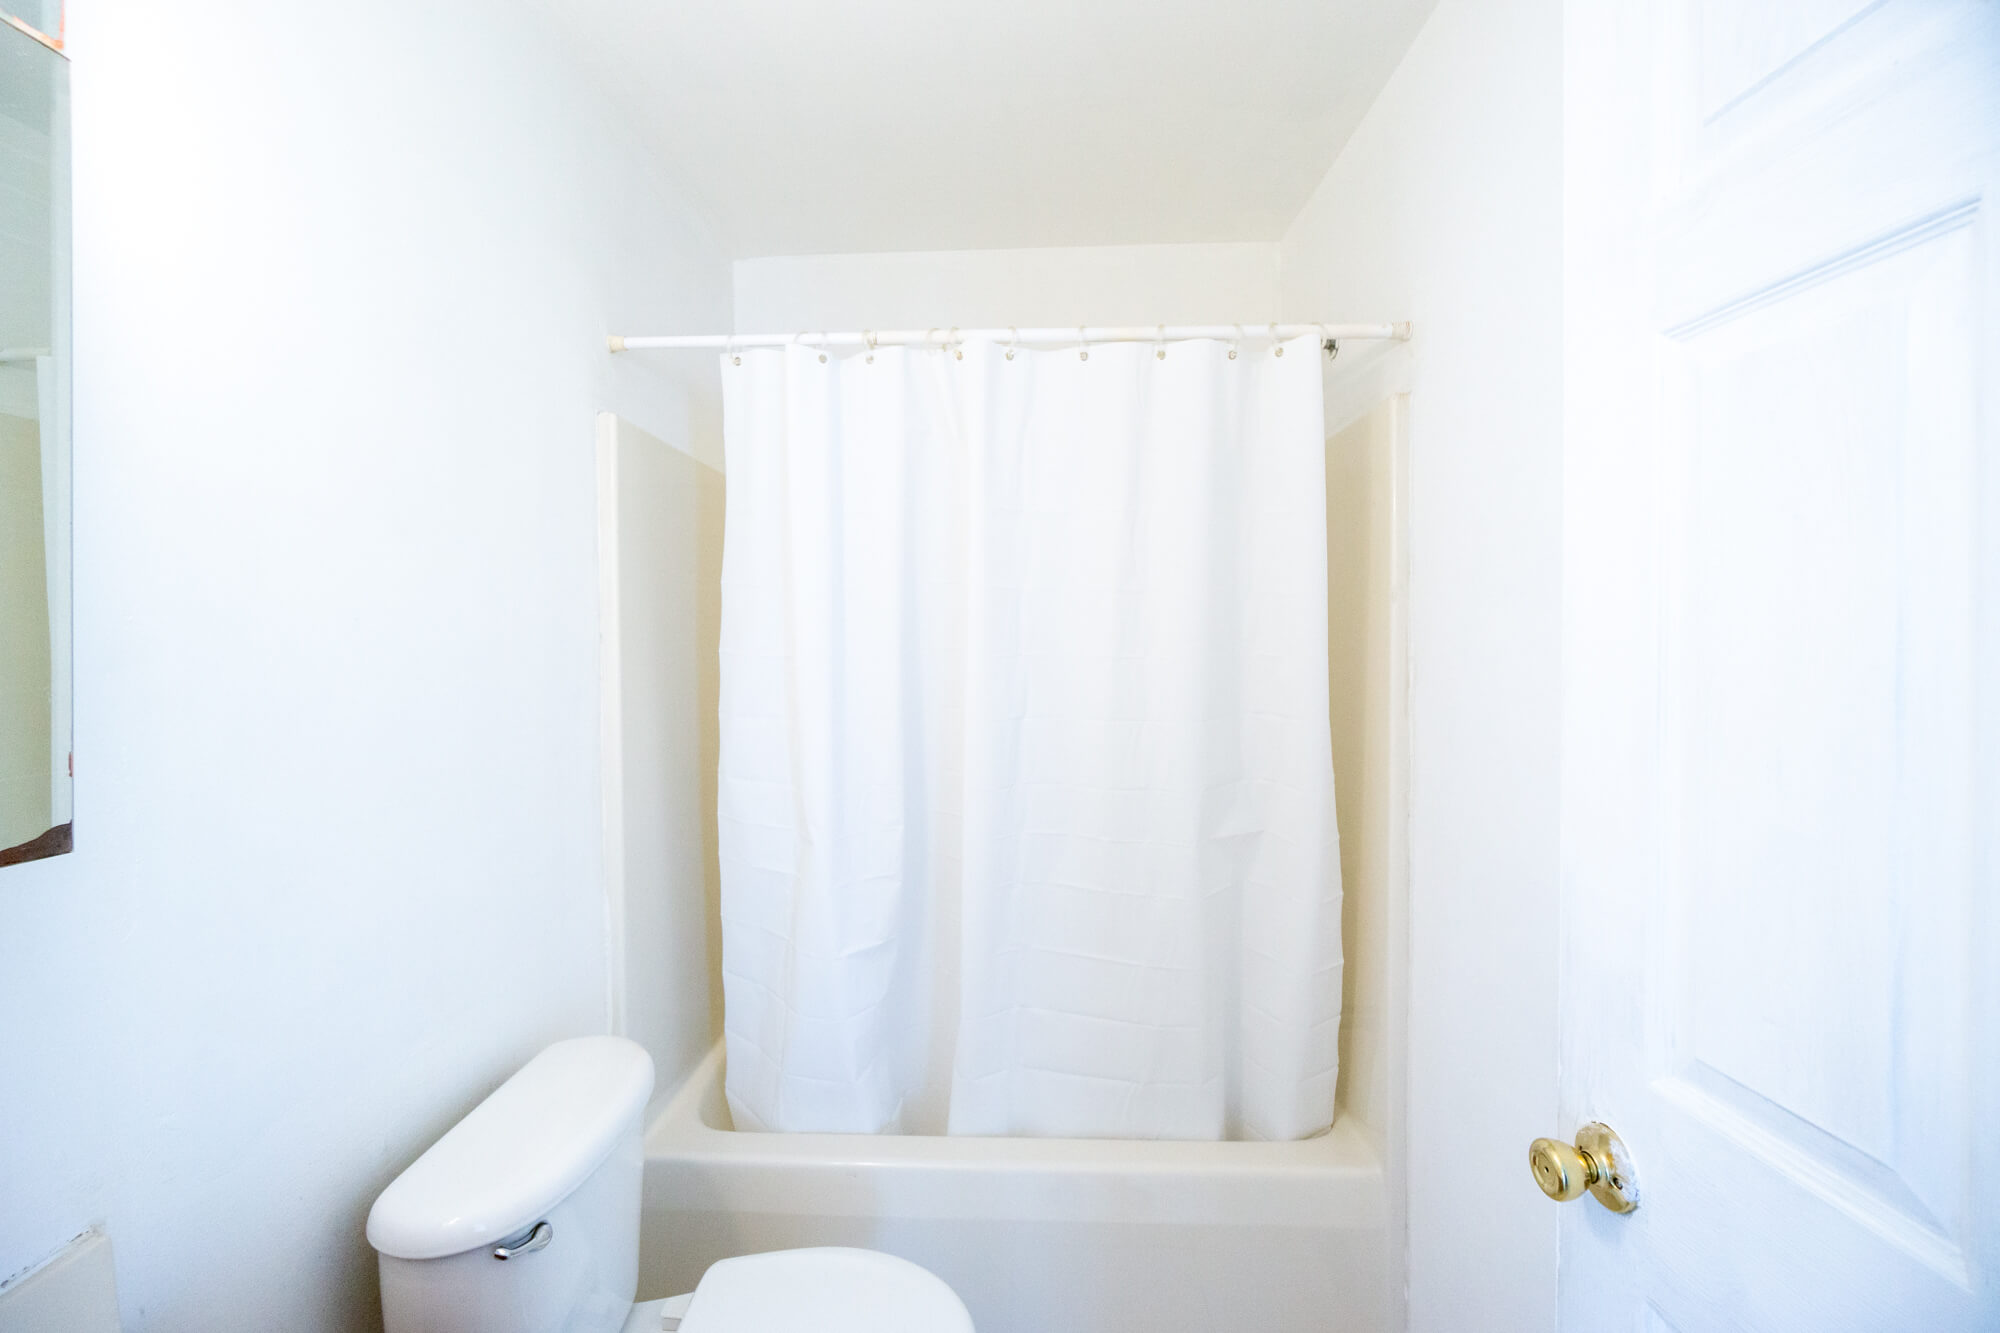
x=1026, y=799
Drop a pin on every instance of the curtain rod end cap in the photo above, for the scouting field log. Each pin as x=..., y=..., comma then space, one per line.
x=615, y=342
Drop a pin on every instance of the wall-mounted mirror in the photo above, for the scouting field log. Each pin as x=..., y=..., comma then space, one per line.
x=34, y=435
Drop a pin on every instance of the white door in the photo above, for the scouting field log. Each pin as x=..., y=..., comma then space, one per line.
x=1781, y=817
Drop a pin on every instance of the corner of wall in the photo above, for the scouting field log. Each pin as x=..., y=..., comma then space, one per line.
x=1445, y=208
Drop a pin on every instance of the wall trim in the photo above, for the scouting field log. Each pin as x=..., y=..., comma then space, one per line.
x=610, y=724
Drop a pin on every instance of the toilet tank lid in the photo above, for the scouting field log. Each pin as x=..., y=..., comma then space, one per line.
x=518, y=1153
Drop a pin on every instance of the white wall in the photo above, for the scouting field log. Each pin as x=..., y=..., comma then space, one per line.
x=1445, y=208
x=1119, y=284
x=342, y=280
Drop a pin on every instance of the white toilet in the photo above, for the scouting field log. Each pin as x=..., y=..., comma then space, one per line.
x=524, y=1218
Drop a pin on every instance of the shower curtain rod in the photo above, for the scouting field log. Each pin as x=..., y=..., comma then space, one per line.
x=1110, y=333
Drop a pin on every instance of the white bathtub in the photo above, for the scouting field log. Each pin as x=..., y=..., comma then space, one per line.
x=1037, y=1235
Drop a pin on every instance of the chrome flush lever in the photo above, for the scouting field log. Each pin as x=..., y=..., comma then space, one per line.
x=537, y=1239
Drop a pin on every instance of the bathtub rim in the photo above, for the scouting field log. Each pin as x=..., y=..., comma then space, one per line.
x=681, y=1130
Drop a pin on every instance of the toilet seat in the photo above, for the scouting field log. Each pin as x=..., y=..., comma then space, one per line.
x=827, y=1290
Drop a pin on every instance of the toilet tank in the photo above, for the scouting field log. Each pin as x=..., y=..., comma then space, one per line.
x=524, y=1217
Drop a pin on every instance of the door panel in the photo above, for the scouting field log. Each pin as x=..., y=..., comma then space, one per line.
x=1817, y=730
x=1780, y=740
x=1743, y=47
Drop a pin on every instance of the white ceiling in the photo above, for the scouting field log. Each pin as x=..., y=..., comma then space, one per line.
x=826, y=126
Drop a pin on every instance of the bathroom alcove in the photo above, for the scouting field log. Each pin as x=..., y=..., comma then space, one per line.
x=660, y=527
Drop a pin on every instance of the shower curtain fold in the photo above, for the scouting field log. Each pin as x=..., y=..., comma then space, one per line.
x=1026, y=792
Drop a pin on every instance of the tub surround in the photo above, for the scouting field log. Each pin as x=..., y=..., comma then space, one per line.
x=1114, y=1236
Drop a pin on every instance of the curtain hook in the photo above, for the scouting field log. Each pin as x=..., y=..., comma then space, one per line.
x=868, y=336
x=734, y=359
x=823, y=340
x=1013, y=336
x=1160, y=344
x=1277, y=348
x=957, y=348
x=1083, y=337
x=1235, y=341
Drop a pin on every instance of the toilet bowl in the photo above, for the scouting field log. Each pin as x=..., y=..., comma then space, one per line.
x=524, y=1218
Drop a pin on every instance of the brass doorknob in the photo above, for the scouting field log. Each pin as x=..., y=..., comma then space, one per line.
x=1598, y=1163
